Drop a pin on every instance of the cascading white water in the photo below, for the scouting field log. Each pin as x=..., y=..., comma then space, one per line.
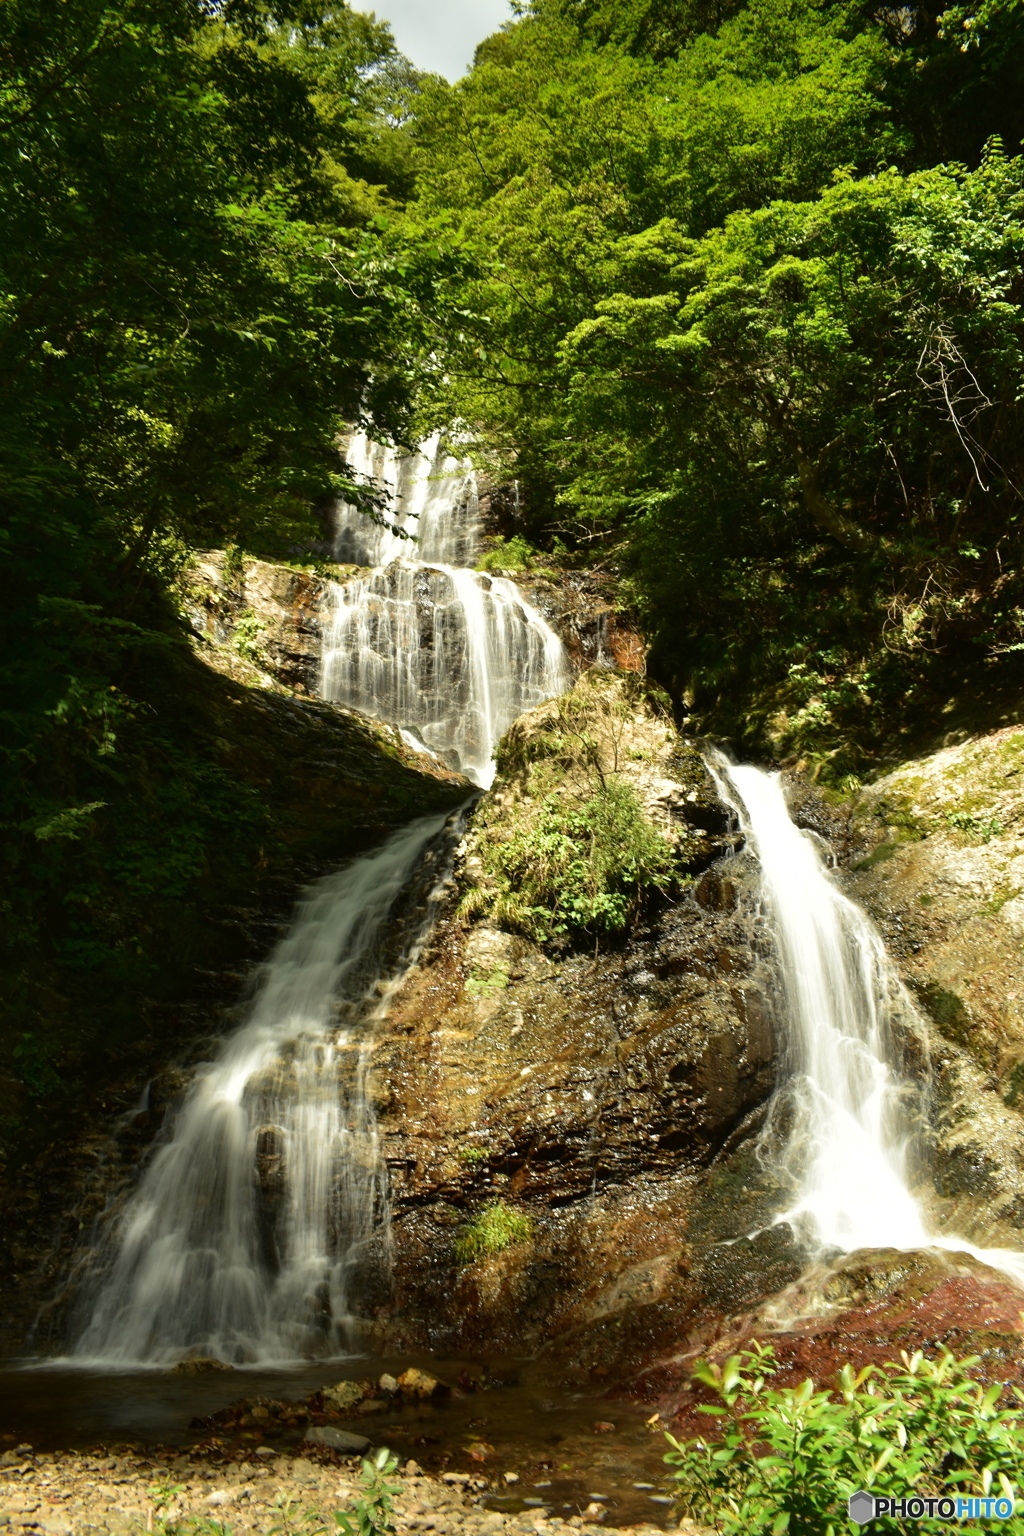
x=241, y=1240
x=850, y=1113
x=431, y=497
x=267, y=1191
x=449, y=655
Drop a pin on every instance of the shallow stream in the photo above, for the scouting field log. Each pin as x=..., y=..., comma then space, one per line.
x=515, y=1422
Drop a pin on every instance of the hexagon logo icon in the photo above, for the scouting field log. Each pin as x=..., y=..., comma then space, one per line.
x=860, y=1506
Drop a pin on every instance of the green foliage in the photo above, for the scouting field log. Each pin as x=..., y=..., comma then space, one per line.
x=493, y=1229
x=373, y=1514
x=487, y=986
x=34, y=1063
x=514, y=554
x=732, y=330
x=199, y=285
x=246, y=638
x=984, y=827
x=572, y=864
x=578, y=854
x=786, y=1459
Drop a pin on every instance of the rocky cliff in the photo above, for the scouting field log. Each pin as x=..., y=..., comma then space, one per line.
x=569, y=1125
x=572, y=1132
x=936, y=854
x=572, y=1082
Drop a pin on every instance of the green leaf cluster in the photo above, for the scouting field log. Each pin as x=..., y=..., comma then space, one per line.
x=785, y=1459
x=579, y=854
x=573, y=865
x=373, y=1514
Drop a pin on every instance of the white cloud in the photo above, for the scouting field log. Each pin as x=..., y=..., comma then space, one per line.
x=440, y=35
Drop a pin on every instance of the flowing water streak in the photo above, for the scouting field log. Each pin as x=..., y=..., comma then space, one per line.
x=449, y=655
x=432, y=500
x=851, y=1113
x=266, y=1192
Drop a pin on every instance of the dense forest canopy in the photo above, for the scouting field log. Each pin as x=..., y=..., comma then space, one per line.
x=748, y=327
x=733, y=292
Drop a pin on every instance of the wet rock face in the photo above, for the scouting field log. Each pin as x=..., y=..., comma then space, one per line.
x=862, y=1310
x=268, y=614
x=936, y=855
x=593, y=1094
x=607, y=1096
x=581, y=607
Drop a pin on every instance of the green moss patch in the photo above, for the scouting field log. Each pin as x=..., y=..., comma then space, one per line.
x=493, y=1229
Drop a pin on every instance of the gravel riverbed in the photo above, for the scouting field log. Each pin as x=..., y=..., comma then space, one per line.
x=114, y=1494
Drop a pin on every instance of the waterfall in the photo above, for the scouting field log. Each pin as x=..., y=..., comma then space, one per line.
x=431, y=498
x=264, y=1202
x=449, y=655
x=847, y=1112
x=265, y=1193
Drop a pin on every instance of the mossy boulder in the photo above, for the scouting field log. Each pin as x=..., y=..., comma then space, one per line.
x=599, y=802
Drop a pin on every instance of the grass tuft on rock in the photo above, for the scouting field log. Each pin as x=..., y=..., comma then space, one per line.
x=493, y=1229
x=567, y=845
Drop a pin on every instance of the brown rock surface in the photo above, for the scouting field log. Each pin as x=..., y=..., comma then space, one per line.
x=592, y=1104
x=865, y=1309
x=936, y=853
x=268, y=614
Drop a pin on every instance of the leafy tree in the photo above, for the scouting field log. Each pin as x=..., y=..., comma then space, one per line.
x=732, y=330
x=198, y=290
x=834, y=382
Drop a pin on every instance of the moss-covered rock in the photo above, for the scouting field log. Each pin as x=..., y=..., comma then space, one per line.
x=598, y=803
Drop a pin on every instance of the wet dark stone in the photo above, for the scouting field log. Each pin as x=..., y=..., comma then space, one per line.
x=738, y=1274
x=336, y=1439
x=965, y=1170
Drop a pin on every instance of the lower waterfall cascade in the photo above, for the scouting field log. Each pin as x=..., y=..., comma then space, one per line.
x=848, y=1143
x=265, y=1192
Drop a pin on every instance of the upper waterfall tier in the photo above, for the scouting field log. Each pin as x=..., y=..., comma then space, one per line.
x=432, y=500
x=448, y=654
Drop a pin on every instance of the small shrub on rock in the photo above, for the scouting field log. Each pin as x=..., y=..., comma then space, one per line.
x=569, y=842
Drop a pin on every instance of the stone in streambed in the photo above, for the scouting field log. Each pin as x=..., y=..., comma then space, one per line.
x=199, y=1365
x=336, y=1440
x=343, y=1396
x=414, y=1383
